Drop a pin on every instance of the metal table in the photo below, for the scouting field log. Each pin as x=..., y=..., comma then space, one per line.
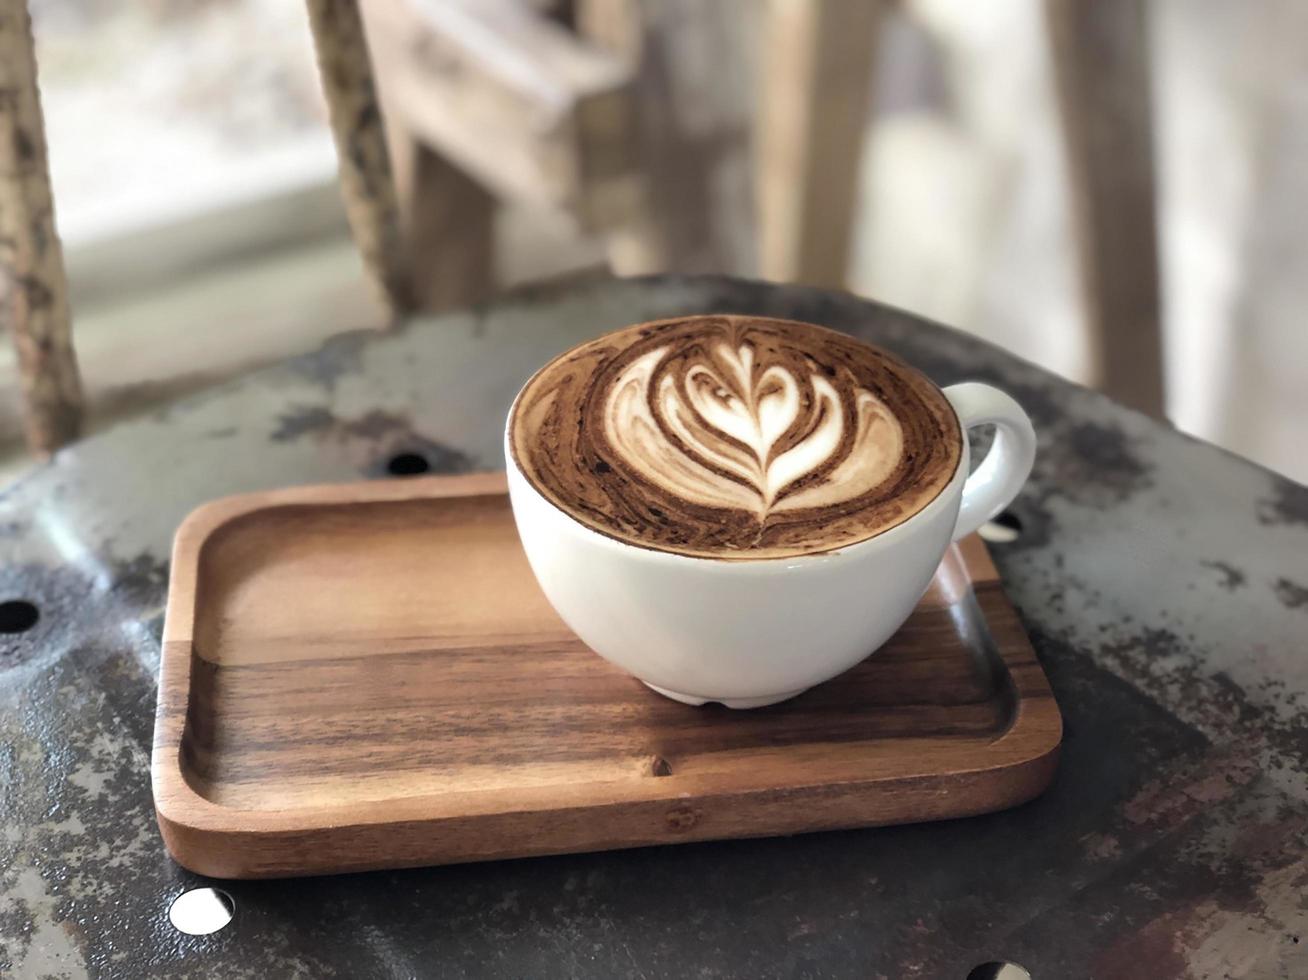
x=1165, y=585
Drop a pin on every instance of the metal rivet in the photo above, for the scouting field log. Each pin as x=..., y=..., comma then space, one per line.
x=998, y=970
x=201, y=911
x=1004, y=528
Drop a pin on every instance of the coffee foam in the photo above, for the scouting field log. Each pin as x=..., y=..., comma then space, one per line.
x=734, y=437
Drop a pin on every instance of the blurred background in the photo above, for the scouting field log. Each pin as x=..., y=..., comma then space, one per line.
x=1114, y=191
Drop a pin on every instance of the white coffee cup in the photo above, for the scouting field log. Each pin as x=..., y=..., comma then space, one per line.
x=748, y=633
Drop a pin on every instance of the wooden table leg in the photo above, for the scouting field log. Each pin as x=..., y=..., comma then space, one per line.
x=366, y=181
x=1101, y=62
x=33, y=285
x=816, y=72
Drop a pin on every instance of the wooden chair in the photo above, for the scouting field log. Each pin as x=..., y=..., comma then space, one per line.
x=537, y=114
x=503, y=100
x=486, y=99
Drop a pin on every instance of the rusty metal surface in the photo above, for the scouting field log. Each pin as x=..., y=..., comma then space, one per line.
x=1165, y=585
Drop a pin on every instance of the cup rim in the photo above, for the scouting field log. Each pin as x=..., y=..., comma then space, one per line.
x=958, y=477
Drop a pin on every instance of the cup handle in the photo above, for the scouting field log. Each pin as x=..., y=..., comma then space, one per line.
x=992, y=485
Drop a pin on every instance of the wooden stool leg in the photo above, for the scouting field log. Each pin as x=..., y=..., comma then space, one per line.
x=448, y=221
x=1101, y=62
x=33, y=285
x=451, y=234
x=366, y=183
x=634, y=236
x=817, y=68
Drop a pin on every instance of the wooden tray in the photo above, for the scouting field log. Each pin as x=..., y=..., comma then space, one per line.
x=367, y=676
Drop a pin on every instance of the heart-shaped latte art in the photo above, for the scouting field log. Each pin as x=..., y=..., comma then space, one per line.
x=727, y=432
x=734, y=437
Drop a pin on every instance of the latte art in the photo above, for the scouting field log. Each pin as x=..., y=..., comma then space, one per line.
x=734, y=437
x=715, y=435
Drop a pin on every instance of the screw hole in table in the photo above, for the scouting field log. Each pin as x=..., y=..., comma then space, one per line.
x=407, y=464
x=18, y=616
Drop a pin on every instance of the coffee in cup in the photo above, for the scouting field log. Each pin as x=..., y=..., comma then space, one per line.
x=734, y=437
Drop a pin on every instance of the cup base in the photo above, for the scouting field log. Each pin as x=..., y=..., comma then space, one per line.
x=736, y=703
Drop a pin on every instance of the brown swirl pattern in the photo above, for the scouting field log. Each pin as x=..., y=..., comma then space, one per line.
x=734, y=437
